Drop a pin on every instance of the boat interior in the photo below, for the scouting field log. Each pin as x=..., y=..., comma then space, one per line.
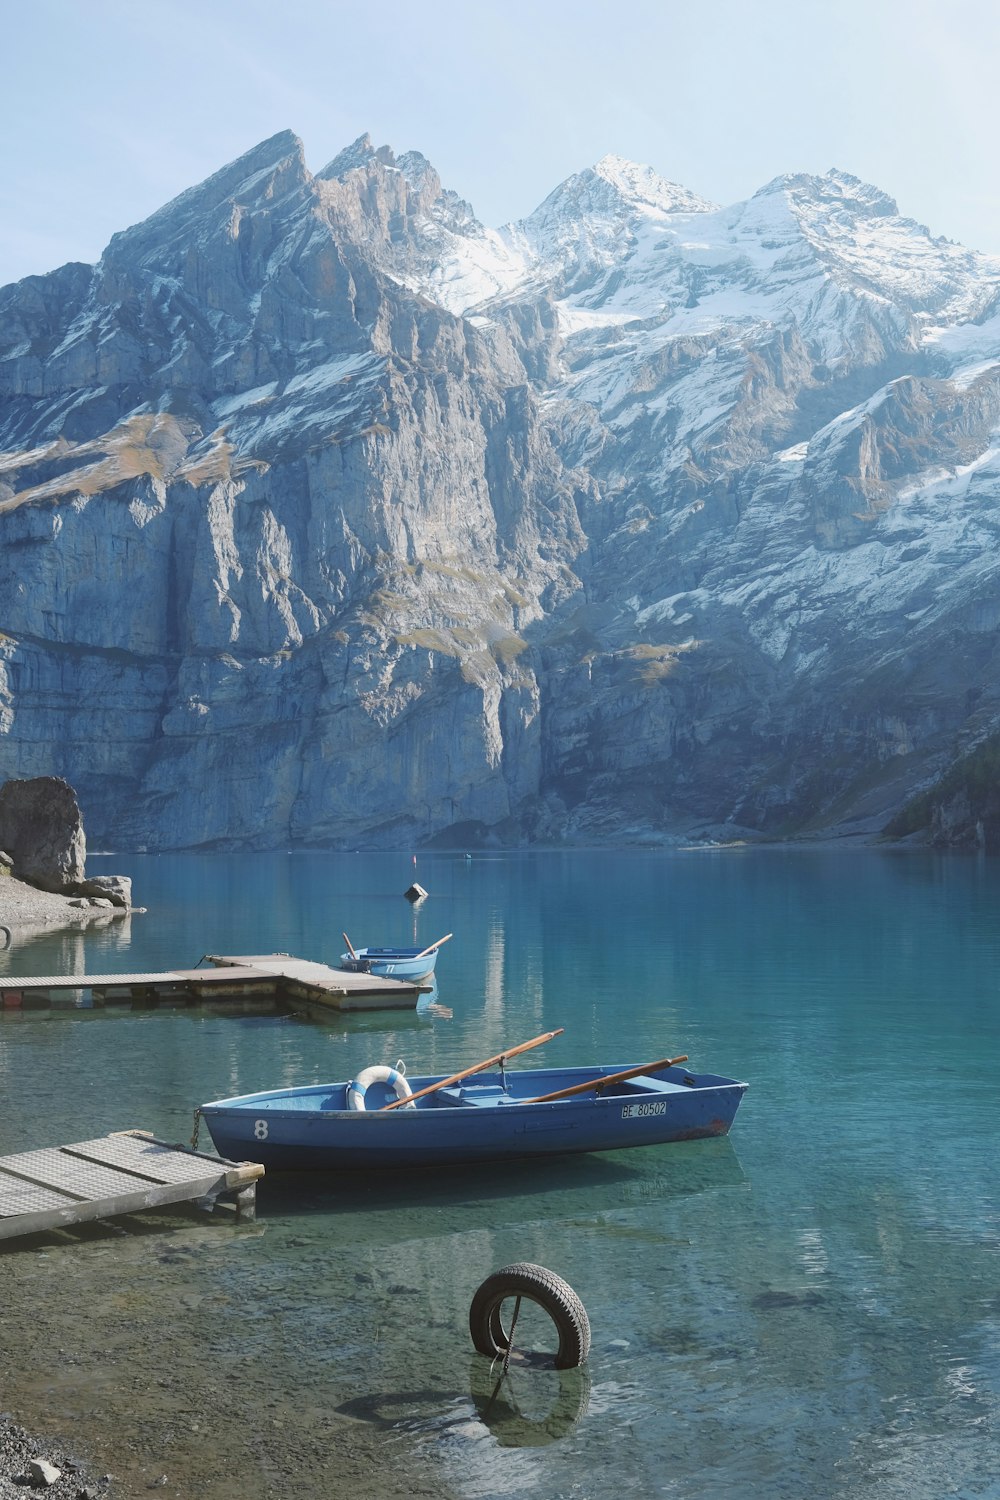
x=490, y=1090
x=493, y=1093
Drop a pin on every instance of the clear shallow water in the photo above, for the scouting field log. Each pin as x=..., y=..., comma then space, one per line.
x=810, y=1308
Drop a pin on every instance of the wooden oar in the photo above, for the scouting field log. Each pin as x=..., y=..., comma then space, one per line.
x=488, y=1062
x=603, y=1083
x=445, y=939
x=350, y=949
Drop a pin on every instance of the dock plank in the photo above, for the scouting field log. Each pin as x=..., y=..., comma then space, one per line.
x=58, y=1186
x=74, y=1175
x=20, y=1197
x=139, y=1152
x=83, y=981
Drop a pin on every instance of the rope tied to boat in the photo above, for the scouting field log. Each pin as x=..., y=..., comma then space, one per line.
x=197, y=1128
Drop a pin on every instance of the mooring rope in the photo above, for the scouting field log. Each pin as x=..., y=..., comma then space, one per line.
x=510, y=1336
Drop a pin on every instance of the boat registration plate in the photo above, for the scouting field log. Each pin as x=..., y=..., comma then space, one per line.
x=644, y=1107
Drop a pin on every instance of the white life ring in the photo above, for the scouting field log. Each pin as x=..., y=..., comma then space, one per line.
x=396, y=1077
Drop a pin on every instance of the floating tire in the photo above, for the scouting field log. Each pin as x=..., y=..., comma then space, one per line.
x=549, y=1292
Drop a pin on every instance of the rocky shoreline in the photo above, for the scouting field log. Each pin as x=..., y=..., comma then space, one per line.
x=27, y=1463
x=26, y=911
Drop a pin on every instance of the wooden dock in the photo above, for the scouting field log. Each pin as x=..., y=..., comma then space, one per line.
x=296, y=983
x=122, y=1173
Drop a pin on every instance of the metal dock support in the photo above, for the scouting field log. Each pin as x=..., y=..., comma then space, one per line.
x=122, y=1173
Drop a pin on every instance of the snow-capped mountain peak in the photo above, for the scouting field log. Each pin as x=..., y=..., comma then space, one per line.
x=640, y=184
x=858, y=235
x=607, y=198
x=596, y=217
x=835, y=189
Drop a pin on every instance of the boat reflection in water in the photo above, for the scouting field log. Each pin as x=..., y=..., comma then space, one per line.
x=396, y=1208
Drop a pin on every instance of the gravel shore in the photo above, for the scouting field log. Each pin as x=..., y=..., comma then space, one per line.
x=18, y=1451
x=25, y=910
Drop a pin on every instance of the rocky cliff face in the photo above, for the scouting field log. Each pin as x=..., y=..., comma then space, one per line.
x=41, y=832
x=330, y=515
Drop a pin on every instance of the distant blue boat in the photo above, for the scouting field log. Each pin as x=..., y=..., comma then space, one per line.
x=384, y=1120
x=390, y=963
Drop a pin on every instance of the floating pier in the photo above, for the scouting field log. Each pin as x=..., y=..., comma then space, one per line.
x=295, y=982
x=122, y=1173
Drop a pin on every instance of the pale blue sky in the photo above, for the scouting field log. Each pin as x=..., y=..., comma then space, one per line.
x=111, y=107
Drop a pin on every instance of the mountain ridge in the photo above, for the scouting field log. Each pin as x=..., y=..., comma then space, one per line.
x=355, y=521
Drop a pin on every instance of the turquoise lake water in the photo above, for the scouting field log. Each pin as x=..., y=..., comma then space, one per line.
x=808, y=1308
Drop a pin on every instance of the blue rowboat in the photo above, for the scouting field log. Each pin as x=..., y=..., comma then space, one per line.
x=390, y=963
x=384, y=1120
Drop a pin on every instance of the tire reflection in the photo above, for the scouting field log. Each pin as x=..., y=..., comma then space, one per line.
x=531, y=1404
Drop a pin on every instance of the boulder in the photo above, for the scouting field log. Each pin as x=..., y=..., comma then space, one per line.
x=116, y=889
x=42, y=829
x=41, y=1473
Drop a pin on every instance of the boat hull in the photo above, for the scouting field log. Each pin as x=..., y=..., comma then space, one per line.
x=312, y=1130
x=390, y=963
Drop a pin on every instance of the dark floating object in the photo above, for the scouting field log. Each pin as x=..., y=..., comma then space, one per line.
x=777, y=1301
x=550, y=1292
x=415, y=893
